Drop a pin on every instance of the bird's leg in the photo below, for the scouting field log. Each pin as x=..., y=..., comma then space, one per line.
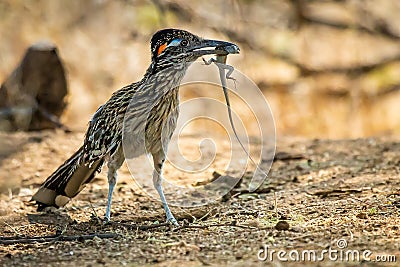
x=159, y=159
x=112, y=180
x=114, y=164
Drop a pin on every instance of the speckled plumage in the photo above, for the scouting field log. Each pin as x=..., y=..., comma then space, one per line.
x=149, y=110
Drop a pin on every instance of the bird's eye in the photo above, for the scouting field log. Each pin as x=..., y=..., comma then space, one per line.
x=184, y=43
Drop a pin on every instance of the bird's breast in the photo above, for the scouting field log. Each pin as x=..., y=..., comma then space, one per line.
x=162, y=121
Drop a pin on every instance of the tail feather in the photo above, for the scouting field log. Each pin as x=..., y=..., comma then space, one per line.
x=67, y=181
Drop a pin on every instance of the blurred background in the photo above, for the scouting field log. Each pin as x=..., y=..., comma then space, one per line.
x=329, y=69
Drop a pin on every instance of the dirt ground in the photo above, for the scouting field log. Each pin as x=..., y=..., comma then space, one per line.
x=324, y=190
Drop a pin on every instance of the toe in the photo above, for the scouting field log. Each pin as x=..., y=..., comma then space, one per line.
x=173, y=221
x=106, y=220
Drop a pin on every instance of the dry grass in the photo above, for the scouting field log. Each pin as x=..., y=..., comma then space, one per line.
x=325, y=190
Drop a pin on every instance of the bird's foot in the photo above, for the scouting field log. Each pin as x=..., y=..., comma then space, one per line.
x=171, y=219
x=106, y=220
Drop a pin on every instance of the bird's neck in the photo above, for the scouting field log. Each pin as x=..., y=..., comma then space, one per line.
x=158, y=83
x=166, y=75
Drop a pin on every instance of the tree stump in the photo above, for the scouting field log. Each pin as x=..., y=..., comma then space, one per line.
x=33, y=96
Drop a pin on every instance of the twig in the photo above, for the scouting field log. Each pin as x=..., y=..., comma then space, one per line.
x=209, y=225
x=12, y=228
x=242, y=212
x=52, y=238
x=193, y=217
x=284, y=156
x=206, y=215
x=185, y=226
x=325, y=193
x=94, y=212
x=139, y=227
x=300, y=236
x=260, y=190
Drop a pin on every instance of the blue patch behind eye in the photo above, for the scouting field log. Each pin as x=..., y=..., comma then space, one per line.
x=175, y=42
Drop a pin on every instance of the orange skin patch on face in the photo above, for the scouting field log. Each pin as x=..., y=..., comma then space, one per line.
x=161, y=48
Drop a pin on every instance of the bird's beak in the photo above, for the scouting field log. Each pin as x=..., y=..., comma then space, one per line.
x=215, y=47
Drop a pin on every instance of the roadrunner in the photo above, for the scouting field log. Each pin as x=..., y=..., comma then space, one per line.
x=149, y=110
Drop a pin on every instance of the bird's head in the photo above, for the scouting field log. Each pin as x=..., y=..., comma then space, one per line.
x=171, y=46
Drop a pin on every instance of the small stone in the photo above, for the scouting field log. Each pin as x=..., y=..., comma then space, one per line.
x=253, y=223
x=282, y=226
x=362, y=215
x=239, y=256
x=283, y=217
x=296, y=229
x=101, y=261
x=96, y=239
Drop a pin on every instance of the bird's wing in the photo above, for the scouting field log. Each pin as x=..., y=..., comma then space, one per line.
x=104, y=133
